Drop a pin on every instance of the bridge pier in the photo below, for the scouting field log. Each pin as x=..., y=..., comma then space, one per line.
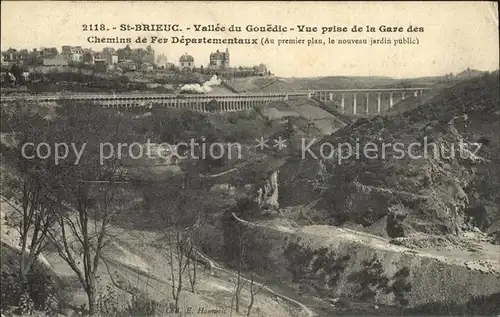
x=403, y=95
x=391, y=100
x=331, y=96
x=354, y=105
x=367, y=103
x=378, y=102
x=342, y=103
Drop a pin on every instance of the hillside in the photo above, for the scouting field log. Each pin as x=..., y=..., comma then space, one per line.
x=393, y=235
x=135, y=266
x=434, y=194
x=279, y=84
x=469, y=73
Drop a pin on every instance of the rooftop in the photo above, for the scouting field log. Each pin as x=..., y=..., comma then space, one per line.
x=186, y=58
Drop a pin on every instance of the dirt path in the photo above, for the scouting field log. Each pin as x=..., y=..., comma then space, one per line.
x=306, y=309
x=303, y=307
x=223, y=274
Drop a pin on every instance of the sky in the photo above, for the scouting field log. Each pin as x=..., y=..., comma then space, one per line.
x=456, y=35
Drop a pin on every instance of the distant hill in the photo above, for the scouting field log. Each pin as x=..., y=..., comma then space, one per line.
x=469, y=73
x=279, y=84
x=339, y=82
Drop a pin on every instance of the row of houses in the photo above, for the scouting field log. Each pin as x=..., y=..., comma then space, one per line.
x=217, y=60
x=24, y=57
x=219, y=63
x=78, y=55
x=126, y=59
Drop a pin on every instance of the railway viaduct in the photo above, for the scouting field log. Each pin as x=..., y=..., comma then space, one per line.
x=350, y=101
x=366, y=101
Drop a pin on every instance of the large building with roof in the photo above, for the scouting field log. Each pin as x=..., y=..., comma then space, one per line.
x=219, y=59
x=72, y=53
x=186, y=62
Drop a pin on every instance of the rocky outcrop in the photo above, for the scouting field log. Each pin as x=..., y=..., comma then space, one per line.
x=267, y=195
x=435, y=187
x=330, y=262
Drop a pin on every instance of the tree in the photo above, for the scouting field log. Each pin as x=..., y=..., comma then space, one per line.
x=255, y=288
x=240, y=283
x=177, y=205
x=33, y=192
x=177, y=250
x=87, y=57
x=251, y=256
x=18, y=74
x=90, y=191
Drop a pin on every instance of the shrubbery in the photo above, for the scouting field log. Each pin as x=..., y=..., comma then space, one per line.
x=37, y=293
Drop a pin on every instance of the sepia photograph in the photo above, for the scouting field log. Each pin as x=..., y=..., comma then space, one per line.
x=249, y=158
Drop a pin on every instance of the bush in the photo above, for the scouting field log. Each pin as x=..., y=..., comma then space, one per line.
x=143, y=306
x=38, y=293
x=139, y=305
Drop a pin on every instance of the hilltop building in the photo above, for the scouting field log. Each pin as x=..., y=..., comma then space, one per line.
x=58, y=60
x=109, y=54
x=127, y=65
x=162, y=61
x=147, y=67
x=219, y=59
x=73, y=53
x=150, y=55
x=186, y=62
x=47, y=52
